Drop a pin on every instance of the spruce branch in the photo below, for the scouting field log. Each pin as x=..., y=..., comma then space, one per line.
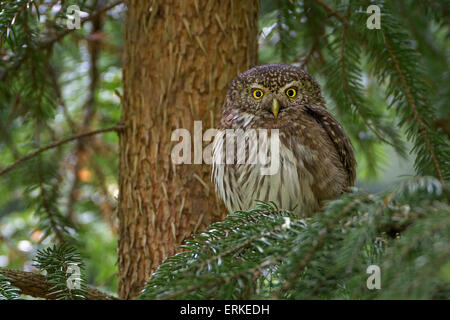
x=7, y=290
x=224, y=242
x=412, y=104
x=323, y=257
x=20, y=7
x=47, y=43
x=240, y=245
x=317, y=245
x=46, y=205
x=350, y=93
x=57, y=144
x=58, y=262
x=217, y=280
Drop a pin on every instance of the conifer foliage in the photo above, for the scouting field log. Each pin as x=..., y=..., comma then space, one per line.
x=387, y=86
x=266, y=253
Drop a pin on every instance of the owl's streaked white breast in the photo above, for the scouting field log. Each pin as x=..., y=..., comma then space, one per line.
x=239, y=185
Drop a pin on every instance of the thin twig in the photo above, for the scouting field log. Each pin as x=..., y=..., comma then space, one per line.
x=60, y=97
x=49, y=41
x=57, y=144
x=331, y=11
x=89, y=112
x=307, y=57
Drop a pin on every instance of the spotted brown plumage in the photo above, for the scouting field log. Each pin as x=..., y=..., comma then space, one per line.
x=340, y=140
x=316, y=157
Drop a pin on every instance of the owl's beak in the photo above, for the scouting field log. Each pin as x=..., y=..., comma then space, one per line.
x=275, y=107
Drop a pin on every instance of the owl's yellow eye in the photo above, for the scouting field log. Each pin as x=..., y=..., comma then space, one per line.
x=257, y=94
x=291, y=92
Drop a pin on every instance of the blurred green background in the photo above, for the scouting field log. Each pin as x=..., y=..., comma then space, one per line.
x=91, y=204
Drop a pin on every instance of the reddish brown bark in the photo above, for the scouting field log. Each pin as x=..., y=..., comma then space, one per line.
x=36, y=285
x=179, y=57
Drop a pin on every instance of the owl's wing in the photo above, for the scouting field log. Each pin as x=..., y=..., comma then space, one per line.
x=338, y=137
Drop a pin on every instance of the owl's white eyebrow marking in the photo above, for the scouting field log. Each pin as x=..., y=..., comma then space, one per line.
x=257, y=86
x=290, y=84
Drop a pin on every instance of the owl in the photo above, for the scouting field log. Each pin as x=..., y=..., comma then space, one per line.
x=315, y=156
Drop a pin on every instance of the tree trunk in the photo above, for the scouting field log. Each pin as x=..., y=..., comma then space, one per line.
x=179, y=57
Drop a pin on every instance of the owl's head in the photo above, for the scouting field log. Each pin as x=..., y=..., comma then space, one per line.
x=272, y=91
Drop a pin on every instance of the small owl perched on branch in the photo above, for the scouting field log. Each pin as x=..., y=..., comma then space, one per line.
x=315, y=156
